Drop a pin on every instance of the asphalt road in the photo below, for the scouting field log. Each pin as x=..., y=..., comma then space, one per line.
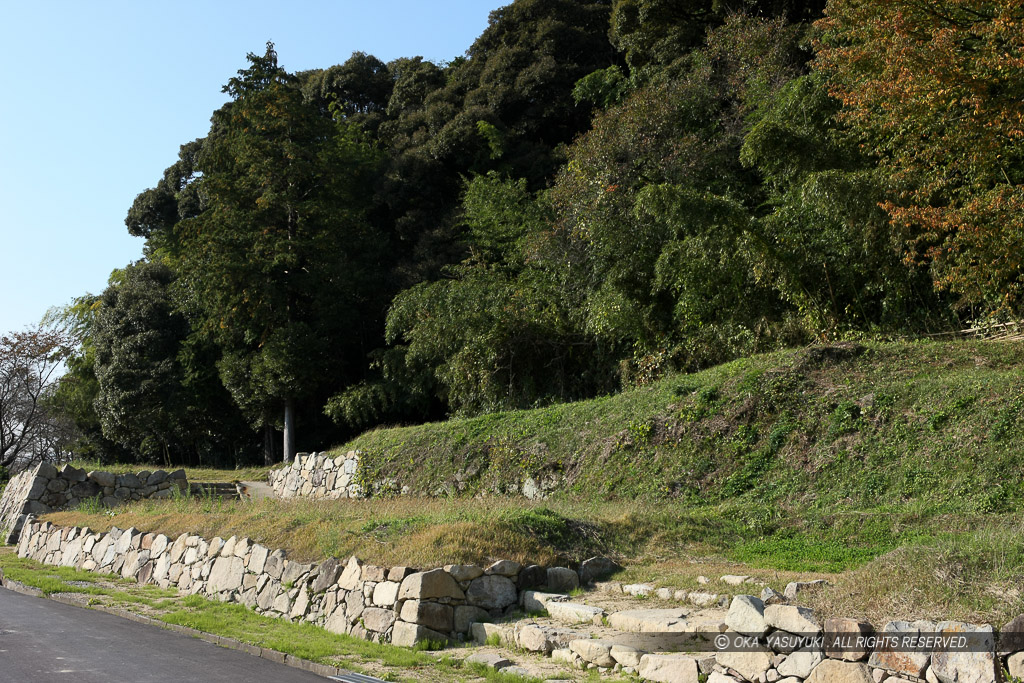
x=42, y=641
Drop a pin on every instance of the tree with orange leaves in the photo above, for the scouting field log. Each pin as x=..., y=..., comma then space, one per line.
x=935, y=89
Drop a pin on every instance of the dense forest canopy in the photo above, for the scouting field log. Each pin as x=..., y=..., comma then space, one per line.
x=597, y=193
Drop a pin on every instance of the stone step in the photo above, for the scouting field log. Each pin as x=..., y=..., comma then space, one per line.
x=651, y=620
x=575, y=613
x=217, y=489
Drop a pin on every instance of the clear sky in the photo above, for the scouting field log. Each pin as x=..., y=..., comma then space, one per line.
x=98, y=96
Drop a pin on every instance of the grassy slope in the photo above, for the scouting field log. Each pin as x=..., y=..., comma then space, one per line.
x=893, y=468
x=934, y=424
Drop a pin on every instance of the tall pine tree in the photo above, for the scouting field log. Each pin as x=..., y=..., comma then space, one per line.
x=279, y=261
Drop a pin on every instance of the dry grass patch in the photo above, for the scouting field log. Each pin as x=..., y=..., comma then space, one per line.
x=403, y=531
x=881, y=565
x=197, y=474
x=971, y=576
x=684, y=573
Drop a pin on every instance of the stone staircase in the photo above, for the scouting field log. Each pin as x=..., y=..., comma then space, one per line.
x=606, y=629
x=217, y=489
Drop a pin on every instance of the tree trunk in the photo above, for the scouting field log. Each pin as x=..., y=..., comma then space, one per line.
x=268, y=445
x=289, y=429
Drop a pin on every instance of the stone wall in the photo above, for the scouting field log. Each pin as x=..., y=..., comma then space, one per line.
x=44, y=489
x=318, y=476
x=767, y=639
x=770, y=641
x=386, y=604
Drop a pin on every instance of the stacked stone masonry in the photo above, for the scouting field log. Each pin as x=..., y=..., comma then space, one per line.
x=318, y=476
x=386, y=604
x=766, y=641
x=43, y=489
x=404, y=606
x=321, y=475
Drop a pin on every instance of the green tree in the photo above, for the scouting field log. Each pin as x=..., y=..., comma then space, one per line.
x=827, y=246
x=280, y=264
x=507, y=108
x=76, y=392
x=358, y=90
x=659, y=207
x=499, y=332
x=154, y=398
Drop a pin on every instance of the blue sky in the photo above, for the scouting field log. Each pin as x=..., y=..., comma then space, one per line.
x=98, y=96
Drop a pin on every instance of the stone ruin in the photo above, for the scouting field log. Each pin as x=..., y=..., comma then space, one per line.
x=43, y=489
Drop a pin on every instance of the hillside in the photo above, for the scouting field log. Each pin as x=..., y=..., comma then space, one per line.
x=879, y=425
x=892, y=469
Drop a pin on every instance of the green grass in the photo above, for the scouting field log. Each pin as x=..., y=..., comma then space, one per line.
x=51, y=580
x=826, y=461
x=881, y=424
x=302, y=640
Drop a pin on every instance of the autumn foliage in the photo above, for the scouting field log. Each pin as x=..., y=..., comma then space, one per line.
x=935, y=89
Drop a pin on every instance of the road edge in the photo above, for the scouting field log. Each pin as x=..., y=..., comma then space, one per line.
x=80, y=600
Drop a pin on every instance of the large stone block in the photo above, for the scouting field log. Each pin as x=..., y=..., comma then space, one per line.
x=536, y=601
x=595, y=651
x=746, y=616
x=535, y=638
x=562, y=580
x=433, y=615
x=257, y=559
x=328, y=576
x=351, y=577
x=838, y=671
x=1015, y=665
x=463, y=572
x=751, y=664
x=672, y=620
x=978, y=664
x=626, y=655
x=895, y=659
x=378, y=620
x=847, y=639
x=801, y=663
x=405, y=634
x=274, y=566
x=431, y=585
x=799, y=620
x=532, y=576
x=467, y=615
x=73, y=474
x=294, y=571
x=491, y=592
x=385, y=593
x=226, y=574
x=507, y=568
x=597, y=569
x=102, y=479
x=128, y=481
x=669, y=668
x=574, y=612
x=483, y=632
